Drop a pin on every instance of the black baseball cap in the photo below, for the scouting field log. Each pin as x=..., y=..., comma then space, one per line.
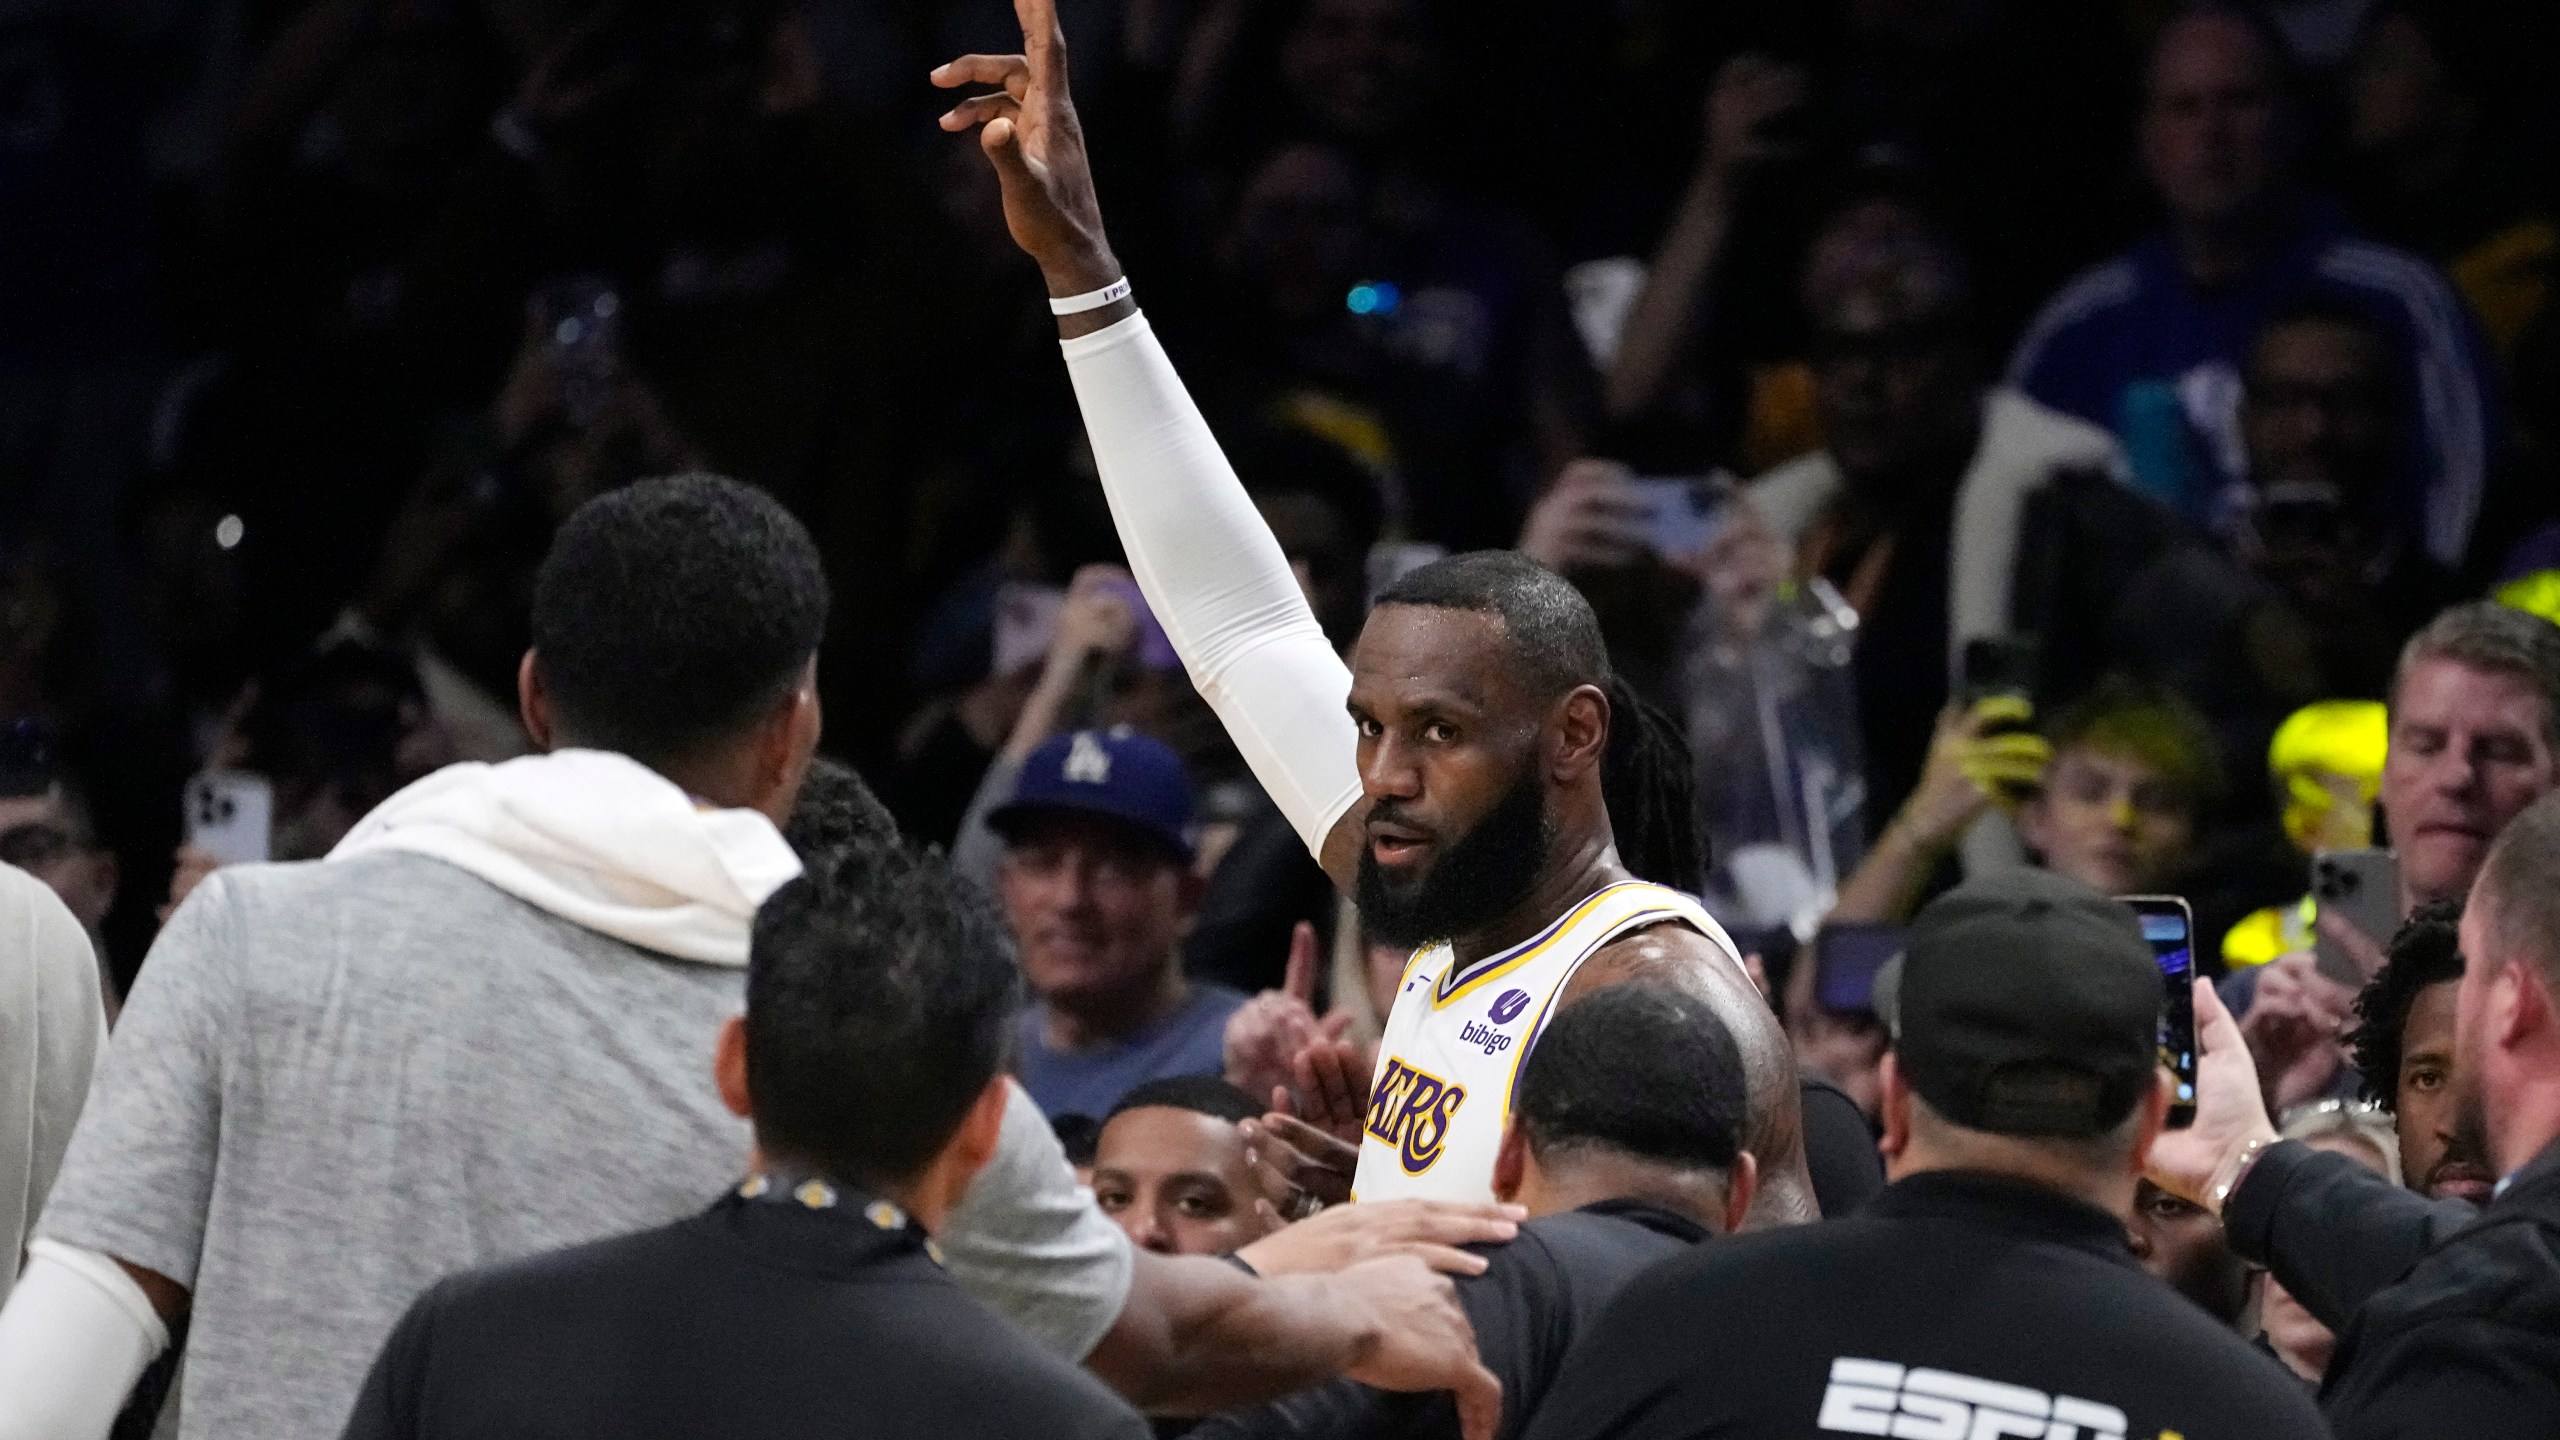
x=2025, y=1004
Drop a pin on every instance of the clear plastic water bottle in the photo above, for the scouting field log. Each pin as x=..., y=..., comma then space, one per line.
x=1772, y=708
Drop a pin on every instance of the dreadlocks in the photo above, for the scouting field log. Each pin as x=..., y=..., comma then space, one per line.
x=1652, y=791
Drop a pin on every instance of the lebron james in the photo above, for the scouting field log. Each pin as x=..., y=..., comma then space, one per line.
x=1449, y=779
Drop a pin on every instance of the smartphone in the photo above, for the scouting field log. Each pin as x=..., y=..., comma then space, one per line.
x=1845, y=961
x=1155, y=648
x=1684, y=516
x=2361, y=887
x=2000, y=665
x=231, y=815
x=2169, y=928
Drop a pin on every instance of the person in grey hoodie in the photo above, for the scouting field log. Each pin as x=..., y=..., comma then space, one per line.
x=483, y=1027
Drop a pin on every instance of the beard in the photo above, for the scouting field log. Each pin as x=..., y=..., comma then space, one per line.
x=1472, y=883
x=2466, y=1155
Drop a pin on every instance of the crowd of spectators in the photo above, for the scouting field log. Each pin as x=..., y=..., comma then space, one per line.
x=2209, y=349
x=2117, y=440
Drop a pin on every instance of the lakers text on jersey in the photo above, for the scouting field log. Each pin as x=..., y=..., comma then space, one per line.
x=1441, y=1095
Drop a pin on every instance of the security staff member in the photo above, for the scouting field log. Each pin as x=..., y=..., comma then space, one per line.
x=1988, y=1290
x=1625, y=1147
x=2448, y=1315
x=808, y=1299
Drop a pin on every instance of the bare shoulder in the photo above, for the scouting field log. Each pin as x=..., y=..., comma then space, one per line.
x=1673, y=954
x=1666, y=954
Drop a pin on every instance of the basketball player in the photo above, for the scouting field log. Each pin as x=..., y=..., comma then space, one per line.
x=1450, y=779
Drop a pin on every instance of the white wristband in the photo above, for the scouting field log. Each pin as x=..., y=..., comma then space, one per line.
x=1091, y=299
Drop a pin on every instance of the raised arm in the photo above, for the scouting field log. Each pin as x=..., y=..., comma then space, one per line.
x=1210, y=568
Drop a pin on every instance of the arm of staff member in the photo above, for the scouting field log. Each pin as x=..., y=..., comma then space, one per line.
x=1199, y=1335
x=1217, y=579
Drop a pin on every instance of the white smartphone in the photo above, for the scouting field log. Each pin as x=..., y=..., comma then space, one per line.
x=231, y=815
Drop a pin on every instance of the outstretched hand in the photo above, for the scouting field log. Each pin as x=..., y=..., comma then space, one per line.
x=1027, y=127
x=1432, y=1231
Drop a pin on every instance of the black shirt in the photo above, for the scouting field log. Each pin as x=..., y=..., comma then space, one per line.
x=752, y=1318
x=2448, y=1318
x=1839, y=1149
x=1535, y=1295
x=1948, y=1296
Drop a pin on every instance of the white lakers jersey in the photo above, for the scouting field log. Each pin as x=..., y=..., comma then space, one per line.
x=1441, y=1096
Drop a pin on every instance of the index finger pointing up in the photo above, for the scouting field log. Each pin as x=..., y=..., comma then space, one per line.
x=1299, y=980
x=1042, y=41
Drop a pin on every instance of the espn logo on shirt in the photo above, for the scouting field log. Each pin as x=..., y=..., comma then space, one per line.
x=1878, y=1397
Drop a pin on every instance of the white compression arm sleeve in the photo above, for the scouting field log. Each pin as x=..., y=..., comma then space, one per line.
x=1216, y=579
x=76, y=1334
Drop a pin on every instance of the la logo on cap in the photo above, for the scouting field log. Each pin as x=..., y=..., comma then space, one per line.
x=1087, y=762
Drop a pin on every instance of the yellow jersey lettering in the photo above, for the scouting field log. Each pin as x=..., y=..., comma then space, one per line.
x=1393, y=1081
x=1430, y=1128
x=1409, y=1113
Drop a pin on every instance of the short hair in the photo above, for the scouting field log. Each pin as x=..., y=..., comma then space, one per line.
x=2151, y=723
x=2519, y=887
x=1551, y=628
x=836, y=811
x=2498, y=640
x=1641, y=1069
x=1209, y=1095
x=880, y=996
x=673, y=612
x=2427, y=951
x=1078, y=1135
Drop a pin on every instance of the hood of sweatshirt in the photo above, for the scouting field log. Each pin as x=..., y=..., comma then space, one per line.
x=599, y=840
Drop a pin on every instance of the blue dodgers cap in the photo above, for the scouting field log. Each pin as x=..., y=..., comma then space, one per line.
x=1116, y=774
